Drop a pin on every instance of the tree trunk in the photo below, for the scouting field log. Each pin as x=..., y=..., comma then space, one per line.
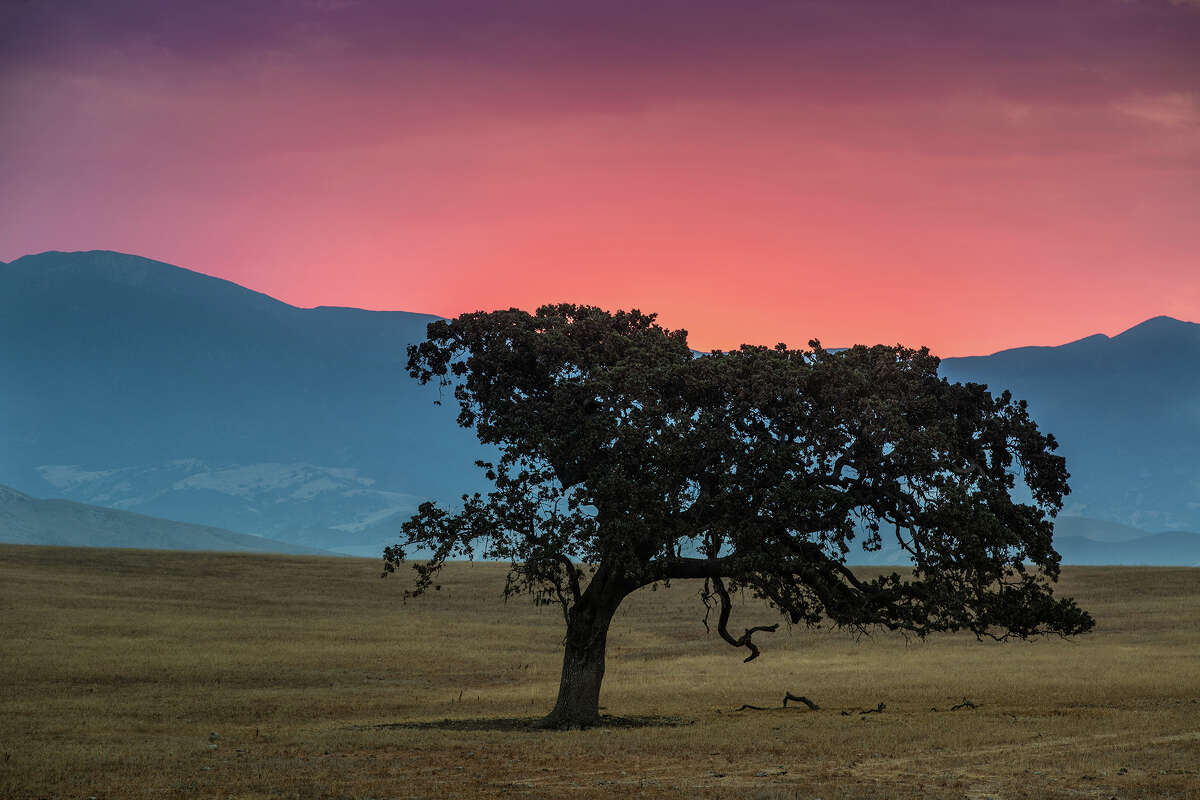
x=578, y=703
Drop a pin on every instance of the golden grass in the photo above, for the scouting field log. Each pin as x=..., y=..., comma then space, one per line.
x=115, y=667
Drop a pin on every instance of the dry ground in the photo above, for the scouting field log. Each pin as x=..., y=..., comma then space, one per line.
x=116, y=666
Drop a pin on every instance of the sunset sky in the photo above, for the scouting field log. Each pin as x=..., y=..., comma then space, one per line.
x=967, y=175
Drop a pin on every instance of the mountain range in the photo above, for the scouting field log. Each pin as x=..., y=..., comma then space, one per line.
x=136, y=385
x=144, y=387
x=26, y=520
x=1126, y=413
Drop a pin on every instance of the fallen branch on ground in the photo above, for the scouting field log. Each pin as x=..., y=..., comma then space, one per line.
x=800, y=699
x=876, y=710
x=786, y=697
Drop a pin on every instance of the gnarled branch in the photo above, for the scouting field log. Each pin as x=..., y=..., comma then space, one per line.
x=723, y=620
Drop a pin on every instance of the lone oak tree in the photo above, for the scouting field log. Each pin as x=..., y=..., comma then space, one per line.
x=626, y=459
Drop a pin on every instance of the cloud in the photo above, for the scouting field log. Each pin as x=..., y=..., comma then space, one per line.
x=1171, y=110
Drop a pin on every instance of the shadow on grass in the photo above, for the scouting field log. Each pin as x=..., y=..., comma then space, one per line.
x=526, y=724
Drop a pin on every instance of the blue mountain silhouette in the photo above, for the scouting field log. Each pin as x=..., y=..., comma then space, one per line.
x=138, y=385
x=1126, y=412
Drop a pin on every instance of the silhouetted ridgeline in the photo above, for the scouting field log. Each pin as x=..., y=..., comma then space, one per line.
x=1126, y=411
x=137, y=385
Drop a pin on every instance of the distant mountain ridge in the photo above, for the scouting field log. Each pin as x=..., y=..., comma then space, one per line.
x=1173, y=548
x=314, y=502
x=1126, y=412
x=63, y=523
x=138, y=385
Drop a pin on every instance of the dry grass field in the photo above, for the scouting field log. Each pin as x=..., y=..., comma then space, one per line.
x=116, y=667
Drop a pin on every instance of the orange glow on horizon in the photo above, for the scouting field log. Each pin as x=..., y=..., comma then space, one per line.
x=968, y=195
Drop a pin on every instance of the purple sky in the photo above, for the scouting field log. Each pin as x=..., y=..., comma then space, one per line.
x=965, y=175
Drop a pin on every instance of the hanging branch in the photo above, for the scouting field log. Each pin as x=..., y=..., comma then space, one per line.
x=723, y=621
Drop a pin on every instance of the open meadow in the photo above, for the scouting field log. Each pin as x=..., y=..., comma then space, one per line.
x=165, y=674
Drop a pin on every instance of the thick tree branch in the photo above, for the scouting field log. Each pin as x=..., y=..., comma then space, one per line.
x=812, y=553
x=679, y=568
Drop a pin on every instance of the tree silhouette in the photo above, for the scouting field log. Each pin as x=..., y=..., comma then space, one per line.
x=626, y=459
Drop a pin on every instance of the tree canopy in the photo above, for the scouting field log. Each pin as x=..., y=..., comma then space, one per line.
x=625, y=459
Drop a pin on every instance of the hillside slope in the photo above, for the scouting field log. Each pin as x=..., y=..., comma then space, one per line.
x=27, y=520
x=1126, y=412
x=138, y=385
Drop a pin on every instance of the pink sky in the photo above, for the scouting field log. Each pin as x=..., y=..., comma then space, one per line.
x=967, y=176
